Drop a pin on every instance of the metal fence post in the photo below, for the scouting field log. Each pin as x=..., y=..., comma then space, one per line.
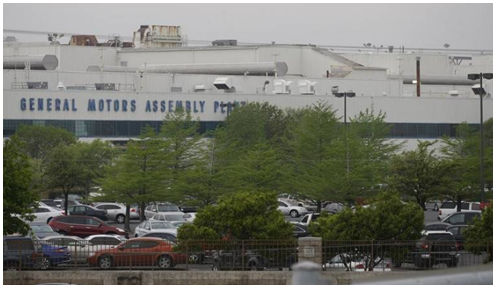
x=242, y=255
x=20, y=258
x=75, y=254
x=187, y=255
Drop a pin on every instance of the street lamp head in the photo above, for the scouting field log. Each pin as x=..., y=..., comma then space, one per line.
x=478, y=90
x=350, y=94
x=339, y=95
x=335, y=89
x=473, y=76
x=488, y=76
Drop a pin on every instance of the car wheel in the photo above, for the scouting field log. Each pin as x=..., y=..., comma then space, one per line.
x=61, y=232
x=252, y=266
x=164, y=262
x=215, y=267
x=136, y=236
x=193, y=258
x=105, y=262
x=120, y=219
x=294, y=214
x=436, y=208
x=45, y=263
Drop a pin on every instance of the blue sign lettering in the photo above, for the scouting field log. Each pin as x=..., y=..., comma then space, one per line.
x=74, y=108
x=148, y=107
x=170, y=105
x=216, y=106
x=179, y=105
x=155, y=106
x=49, y=104
x=91, y=105
x=133, y=105
x=108, y=104
x=31, y=104
x=57, y=104
x=66, y=105
x=162, y=106
x=116, y=105
x=40, y=104
x=23, y=104
x=124, y=105
x=202, y=106
x=188, y=106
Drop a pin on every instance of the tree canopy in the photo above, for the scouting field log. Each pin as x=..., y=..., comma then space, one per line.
x=18, y=198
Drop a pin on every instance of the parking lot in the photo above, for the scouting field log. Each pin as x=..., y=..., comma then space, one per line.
x=430, y=216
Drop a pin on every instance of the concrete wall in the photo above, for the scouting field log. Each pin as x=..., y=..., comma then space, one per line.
x=177, y=277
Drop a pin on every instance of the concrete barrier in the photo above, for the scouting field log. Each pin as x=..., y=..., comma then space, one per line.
x=123, y=277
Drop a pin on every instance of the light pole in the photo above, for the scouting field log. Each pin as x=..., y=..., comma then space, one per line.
x=350, y=94
x=480, y=90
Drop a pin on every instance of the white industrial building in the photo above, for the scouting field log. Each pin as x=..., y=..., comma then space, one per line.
x=111, y=91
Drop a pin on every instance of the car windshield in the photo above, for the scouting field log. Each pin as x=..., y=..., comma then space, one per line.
x=168, y=208
x=162, y=225
x=41, y=228
x=174, y=218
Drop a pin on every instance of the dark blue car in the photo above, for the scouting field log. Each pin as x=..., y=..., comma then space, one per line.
x=24, y=252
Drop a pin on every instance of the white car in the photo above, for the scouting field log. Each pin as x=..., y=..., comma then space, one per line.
x=46, y=213
x=450, y=207
x=288, y=208
x=149, y=226
x=190, y=217
x=357, y=265
x=171, y=217
x=102, y=242
x=155, y=208
x=117, y=212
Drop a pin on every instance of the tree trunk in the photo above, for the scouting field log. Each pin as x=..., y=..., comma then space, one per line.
x=66, y=202
x=458, y=203
x=142, y=211
x=127, y=227
x=319, y=206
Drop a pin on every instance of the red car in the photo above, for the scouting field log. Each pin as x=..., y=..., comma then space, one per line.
x=139, y=252
x=83, y=226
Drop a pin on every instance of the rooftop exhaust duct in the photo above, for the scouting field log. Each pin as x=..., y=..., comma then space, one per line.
x=38, y=62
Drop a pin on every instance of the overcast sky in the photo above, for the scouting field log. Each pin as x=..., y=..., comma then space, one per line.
x=463, y=26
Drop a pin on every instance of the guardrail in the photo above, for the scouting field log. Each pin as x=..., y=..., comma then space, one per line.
x=243, y=255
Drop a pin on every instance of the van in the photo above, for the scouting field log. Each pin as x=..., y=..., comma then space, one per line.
x=450, y=207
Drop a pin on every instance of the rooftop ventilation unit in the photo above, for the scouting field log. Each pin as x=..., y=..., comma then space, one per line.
x=105, y=86
x=224, y=83
x=306, y=87
x=282, y=86
x=200, y=88
x=37, y=85
x=225, y=42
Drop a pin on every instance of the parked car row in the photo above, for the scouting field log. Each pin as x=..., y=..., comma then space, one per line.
x=103, y=251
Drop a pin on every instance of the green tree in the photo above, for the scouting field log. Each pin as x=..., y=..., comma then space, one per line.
x=386, y=219
x=64, y=170
x=358, y=159
x=479, y=235
x=140, y=175
x=311, y=132
x=241, y=216
x=39, y=140
x=418, y=173
x=94, y=157
x=18, y=198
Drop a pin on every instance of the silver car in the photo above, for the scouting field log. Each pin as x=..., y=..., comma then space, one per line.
x=149, y=226
x=117, y=212
x=155, y=208
x=171, y=217
x=288, y=208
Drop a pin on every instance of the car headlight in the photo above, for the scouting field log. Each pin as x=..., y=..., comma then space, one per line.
x=120, y=230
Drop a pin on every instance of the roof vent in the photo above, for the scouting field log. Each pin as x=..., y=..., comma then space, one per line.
x=223, y=83
x=306, y=87
x=282, y=86
x=200, y=87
